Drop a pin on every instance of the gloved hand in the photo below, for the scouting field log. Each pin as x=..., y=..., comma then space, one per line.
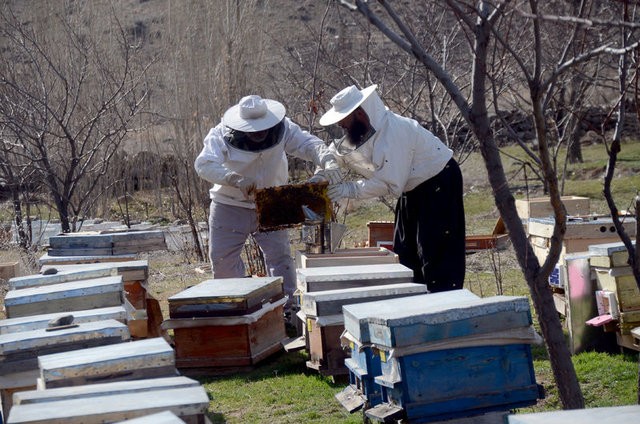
x=330, y=173
x=346, y=189
x=245, y=184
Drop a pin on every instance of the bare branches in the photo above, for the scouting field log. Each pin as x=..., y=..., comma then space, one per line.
x=67, y=123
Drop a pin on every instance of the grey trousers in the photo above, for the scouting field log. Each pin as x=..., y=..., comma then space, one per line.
x=229, y=227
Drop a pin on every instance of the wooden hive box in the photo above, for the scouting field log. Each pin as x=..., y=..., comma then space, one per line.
x=101, y=243
x=326, y=354
x=100, y=389
x=363, y=365
x=452, y=357
x=11, y=384
x=73, y=295
x=342, y=257
x=47, y=259
x=60, y=276
x=627, y=414
x=380, y=234
x=620, y=280
x=134, y=276
x=19, y=351
x=609, y=255
x=164, y=417
x=138, y=359
x=458, y=382
x=356, y=316
x=330, y=302
x=581, y=233
x=228, y=341
x=420, y=319
x=113, y=402
x=344, y=277
x=540, y=207
x=37, y=322
x=9, y=270
x=225, y=297
x=325, y=322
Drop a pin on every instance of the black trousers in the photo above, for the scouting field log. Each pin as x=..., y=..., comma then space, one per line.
x=429, y=233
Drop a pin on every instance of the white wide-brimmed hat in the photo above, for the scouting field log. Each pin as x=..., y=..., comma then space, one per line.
x=345, y=102
x=253, y=113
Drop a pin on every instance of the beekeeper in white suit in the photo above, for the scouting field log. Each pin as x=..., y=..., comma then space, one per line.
x=396, y=156
x=248, y=150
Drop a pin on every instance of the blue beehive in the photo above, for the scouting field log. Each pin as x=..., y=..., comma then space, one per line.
x=448, y=355
x=363, y=365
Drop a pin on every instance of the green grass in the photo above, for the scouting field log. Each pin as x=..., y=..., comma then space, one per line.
x=282, y=390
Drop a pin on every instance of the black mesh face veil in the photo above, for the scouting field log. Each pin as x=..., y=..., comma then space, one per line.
x=239, y=139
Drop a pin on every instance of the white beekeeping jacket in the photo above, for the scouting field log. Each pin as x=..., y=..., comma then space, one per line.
x=268, y=167
x=399, y=156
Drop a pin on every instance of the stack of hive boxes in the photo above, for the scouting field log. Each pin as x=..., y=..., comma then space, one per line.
x=118, y=250
x=108, y=384
x=137, y=300
x=617, y=295
x=227, y=322
x=92, y=303
x=323, y=324
x=68, y=329
x=106, y=243
x=441, y=356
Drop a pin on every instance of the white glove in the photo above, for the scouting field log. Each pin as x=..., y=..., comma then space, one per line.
x=245, y=184
x=330, y=173
x=348, y=189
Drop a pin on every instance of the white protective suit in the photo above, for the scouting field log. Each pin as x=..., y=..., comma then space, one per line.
x=232, y=215
x=395, y=159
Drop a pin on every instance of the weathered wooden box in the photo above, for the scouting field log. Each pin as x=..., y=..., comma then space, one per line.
x=41, y=321
x=627, y=414
x=225, y=297
x=113, y=402
x=344, y=277
x=357, y=316
x=57, y=277
x=73, y=295
x=342, y=257
x=609, y=255
x=325, y=322
x=540, y=207
x=380, y=234
x=47, y=259
x=164, y=417
x=115, y=243
x=139, y=359
x=581, y=233
x=134, y=276
x=326, y=354
x=9, y=270
x=410, y=325
x=330, y=302
x=457, y=382
x=226, y=341
x=19, y=350
x=620, y=280
x=12, y=383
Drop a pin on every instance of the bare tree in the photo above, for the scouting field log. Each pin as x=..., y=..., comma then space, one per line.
x=490, y=25
x=70, y=89
x=18, y=178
